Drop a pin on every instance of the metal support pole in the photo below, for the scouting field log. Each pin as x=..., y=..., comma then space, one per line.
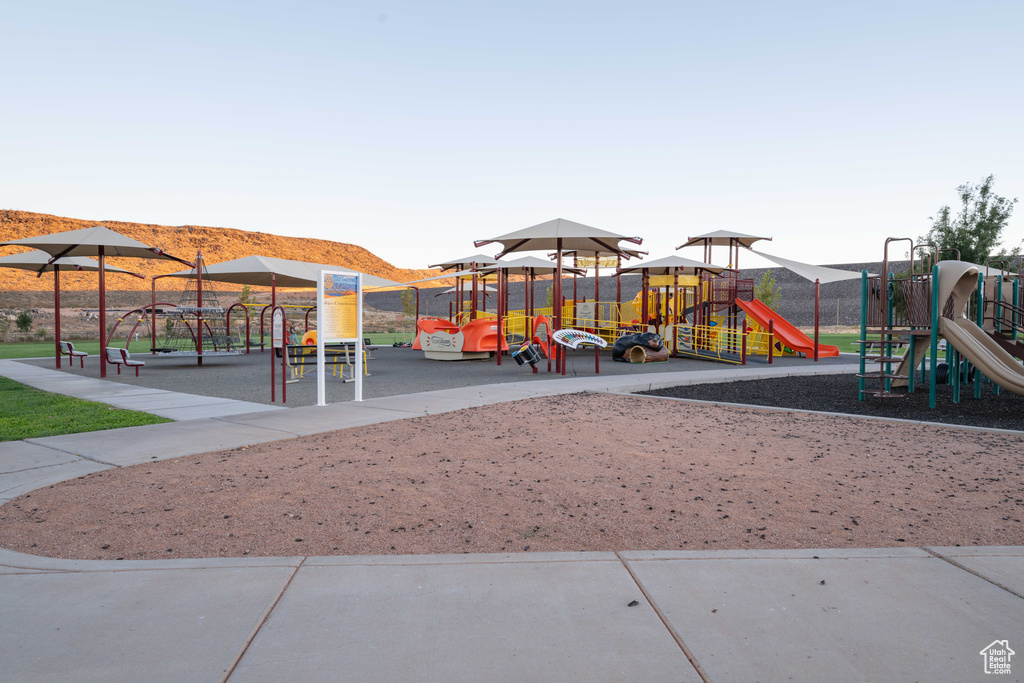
x=103, y=316
x=935, y=336
x=500, y=313
x=56, y=314
x=981, y=323
x=863, y=330
x=817, y=302
x=199, y=304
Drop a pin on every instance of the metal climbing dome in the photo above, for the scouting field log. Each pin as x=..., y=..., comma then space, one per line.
x=198, y=325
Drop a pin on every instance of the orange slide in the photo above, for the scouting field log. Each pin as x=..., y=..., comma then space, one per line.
x=784, y=330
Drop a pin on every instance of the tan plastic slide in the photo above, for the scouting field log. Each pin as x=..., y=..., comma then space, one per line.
x=959, y=280
x=990, y=358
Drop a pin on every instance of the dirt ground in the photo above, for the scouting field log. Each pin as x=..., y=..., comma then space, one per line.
x=577, y=472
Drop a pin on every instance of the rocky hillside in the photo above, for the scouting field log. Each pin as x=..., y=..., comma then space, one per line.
x=216, y=244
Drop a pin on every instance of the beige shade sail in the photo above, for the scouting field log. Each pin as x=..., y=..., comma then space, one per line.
x=726, y=238
x=673, y=265
x=809, y=272
x=266, y=271
x=563, y=235
x=36, y=260
x=467, y=262
x=526, y=263
x=90, y=242
x=480, y=287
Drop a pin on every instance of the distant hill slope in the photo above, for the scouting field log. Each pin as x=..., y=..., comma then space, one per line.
x=216, y=244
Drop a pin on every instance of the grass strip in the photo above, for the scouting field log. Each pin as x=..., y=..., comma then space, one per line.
x=27, y=413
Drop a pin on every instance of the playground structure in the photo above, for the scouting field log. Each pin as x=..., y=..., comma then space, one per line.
x=702, y=310
x=440, y=339
x=978, y=314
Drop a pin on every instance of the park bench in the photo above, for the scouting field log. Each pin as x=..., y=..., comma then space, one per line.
x=121, y=357
x=68, y=349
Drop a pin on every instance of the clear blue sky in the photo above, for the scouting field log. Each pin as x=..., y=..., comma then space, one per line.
x=413, y=128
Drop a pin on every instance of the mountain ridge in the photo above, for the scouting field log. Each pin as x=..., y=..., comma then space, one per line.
x=184, y=241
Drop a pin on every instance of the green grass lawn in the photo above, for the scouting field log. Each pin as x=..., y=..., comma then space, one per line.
x=27, y=413
x=44, y=349
x=843, y=341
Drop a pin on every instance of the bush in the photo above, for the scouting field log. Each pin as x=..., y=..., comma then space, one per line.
x=24, y=322
x=767, y=291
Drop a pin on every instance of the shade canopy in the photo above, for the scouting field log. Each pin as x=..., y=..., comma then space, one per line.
x=479, y=260
x=812, y=273
x=526, y=263
x=480, y=287
x=266, y=271
x=723, y=238
x=39, y=261
x=560, y=234
x=623, y=252
x=89, y=242
x=673, y=265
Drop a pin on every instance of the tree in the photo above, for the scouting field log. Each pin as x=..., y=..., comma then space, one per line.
x=409, y=303
x=977, y=227
x=24, y=321
x=245, y=296
x=767, y=291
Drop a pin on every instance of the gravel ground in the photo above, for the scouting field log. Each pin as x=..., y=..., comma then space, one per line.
x=838, y=394
x=577, y=472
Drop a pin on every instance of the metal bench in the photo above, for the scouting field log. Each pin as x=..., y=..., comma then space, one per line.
x=68, y=349
x=121, y=357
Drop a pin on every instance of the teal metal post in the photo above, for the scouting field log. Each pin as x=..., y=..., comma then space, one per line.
x=863, y=330
x=955, y=369
x=997, y=308
x=910, y=374
x=935, y=335
x=981, y=317
x=1016, y=303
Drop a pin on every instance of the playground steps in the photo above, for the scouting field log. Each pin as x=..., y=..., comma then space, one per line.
x=884, y=343
x=881, y=375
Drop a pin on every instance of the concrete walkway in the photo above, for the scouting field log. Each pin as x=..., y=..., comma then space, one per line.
x=805, y=615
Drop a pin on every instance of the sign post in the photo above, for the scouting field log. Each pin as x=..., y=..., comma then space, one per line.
x=339, y=319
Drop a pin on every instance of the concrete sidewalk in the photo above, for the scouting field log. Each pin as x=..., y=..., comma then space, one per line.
x=852, y=615
x=806, y=615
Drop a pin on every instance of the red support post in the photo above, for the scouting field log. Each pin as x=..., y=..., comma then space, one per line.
x=152, y=319
x=771, y=339
x=556, y=301
x=817, y=300
x=473, y=285
x=56, y=313
x=498, y=307
x=199, y=304
x=273, y=305
x=103, y=316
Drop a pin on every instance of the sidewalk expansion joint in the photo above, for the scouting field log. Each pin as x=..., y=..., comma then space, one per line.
x=44, y=467
x=664, y=620
x=35, y=442
x=227, y=418
x=981, y=576
x=259, y=625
